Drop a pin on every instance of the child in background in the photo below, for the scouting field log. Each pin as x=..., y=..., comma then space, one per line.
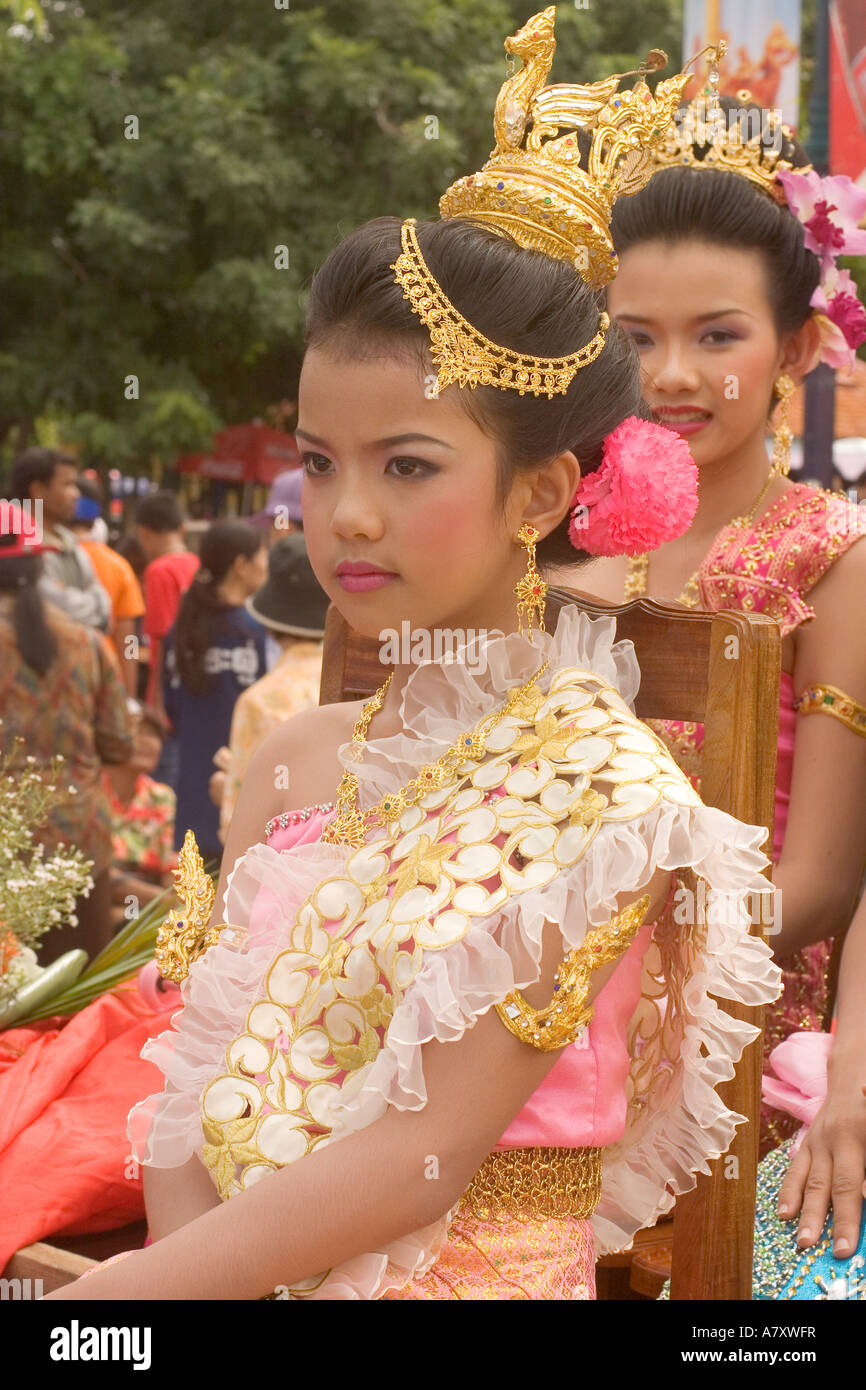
x=213, y=653
x=142, y=820
x=291, y=607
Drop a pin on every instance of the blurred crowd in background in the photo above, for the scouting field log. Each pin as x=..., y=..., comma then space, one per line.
x=154, y=665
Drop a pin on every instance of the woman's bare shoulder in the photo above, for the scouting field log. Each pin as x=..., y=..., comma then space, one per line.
x=319, y=722
x=296, y=764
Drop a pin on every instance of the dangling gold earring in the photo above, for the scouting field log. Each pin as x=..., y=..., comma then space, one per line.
x=784, y=388
x=531, y=589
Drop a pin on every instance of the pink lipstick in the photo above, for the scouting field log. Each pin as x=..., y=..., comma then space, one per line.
x=359, y=576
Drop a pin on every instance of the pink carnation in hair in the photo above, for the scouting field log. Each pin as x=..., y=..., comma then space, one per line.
x=644, y=493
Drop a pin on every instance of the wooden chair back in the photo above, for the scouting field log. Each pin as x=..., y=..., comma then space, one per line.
x=722, y=670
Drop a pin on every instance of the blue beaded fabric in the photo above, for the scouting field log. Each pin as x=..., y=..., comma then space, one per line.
x=783, y=1271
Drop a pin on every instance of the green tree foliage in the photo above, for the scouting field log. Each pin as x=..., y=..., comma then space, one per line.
x=172, y=174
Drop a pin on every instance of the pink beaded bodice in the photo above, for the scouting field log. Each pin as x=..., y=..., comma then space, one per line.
x=769, y=567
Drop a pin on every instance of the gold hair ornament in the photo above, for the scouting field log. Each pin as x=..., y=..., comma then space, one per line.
x=704, y=124
x=462, y=354
x=534, y=187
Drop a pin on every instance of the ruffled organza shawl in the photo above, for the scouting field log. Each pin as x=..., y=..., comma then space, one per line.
x=682, y=1042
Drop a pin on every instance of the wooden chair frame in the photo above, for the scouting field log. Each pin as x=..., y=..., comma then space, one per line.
x=721, y=669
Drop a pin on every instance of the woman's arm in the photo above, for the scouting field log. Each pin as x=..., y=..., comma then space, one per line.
x=831, y=1162
x=364, y=1191
x=825, y=842
x=174, y=1196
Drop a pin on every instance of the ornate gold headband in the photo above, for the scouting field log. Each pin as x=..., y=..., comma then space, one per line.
x=463, y=355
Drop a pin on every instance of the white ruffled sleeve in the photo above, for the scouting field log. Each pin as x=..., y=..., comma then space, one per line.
x=459, y=953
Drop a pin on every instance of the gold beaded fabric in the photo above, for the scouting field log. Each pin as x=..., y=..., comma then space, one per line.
x=509, y=1258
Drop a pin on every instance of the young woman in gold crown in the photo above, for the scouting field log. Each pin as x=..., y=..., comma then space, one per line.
x=729, y=287
x=422, y=1060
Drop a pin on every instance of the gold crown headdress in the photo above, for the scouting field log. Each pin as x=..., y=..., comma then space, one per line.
x=704, y=126
x=535, y=190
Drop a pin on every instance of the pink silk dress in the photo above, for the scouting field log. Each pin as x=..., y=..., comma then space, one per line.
x=580, y=1104
x=769, y=568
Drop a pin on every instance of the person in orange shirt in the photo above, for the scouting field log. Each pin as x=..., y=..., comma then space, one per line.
x=117, y=577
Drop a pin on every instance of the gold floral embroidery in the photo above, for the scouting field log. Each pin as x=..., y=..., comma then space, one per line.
x=421, y=865
x=359, y=939
x=587, y=808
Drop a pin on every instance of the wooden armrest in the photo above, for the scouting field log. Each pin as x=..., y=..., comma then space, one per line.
x=49, y=1265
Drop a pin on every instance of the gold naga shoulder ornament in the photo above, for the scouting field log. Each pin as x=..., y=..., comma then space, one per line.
x=185, y=935
x=567, y=1015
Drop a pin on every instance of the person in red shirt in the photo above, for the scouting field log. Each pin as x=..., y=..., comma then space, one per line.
x=170, y=571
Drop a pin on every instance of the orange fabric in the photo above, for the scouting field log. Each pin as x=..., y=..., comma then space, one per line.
x=117, y=577
x=65, y=1092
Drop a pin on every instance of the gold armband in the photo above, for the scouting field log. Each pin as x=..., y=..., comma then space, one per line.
x=568, y=1014
x=827, y=699
x=185, y=935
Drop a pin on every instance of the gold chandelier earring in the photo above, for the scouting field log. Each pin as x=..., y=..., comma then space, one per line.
x=784, y=388
x=531, y=589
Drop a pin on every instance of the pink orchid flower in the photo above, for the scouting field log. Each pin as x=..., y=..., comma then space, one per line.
x=834, y=346
x=840, y=317
x=829, y=209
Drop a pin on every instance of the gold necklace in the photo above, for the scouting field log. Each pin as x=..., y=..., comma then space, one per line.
x=350, y=824
x=637, y=573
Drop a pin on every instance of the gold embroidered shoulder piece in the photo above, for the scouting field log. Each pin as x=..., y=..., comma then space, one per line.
x=567, y=1015
x=524, y=806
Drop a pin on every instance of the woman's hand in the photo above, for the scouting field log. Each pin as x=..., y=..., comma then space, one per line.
x=830, y=1166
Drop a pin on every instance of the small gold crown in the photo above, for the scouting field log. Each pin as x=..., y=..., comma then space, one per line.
x=534, y=187
x=703, y=135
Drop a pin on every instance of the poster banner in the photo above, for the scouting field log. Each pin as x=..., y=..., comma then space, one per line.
x=848, y=89
x=763, y=57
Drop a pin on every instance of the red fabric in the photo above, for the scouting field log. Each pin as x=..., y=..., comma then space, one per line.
x=66, y=1089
